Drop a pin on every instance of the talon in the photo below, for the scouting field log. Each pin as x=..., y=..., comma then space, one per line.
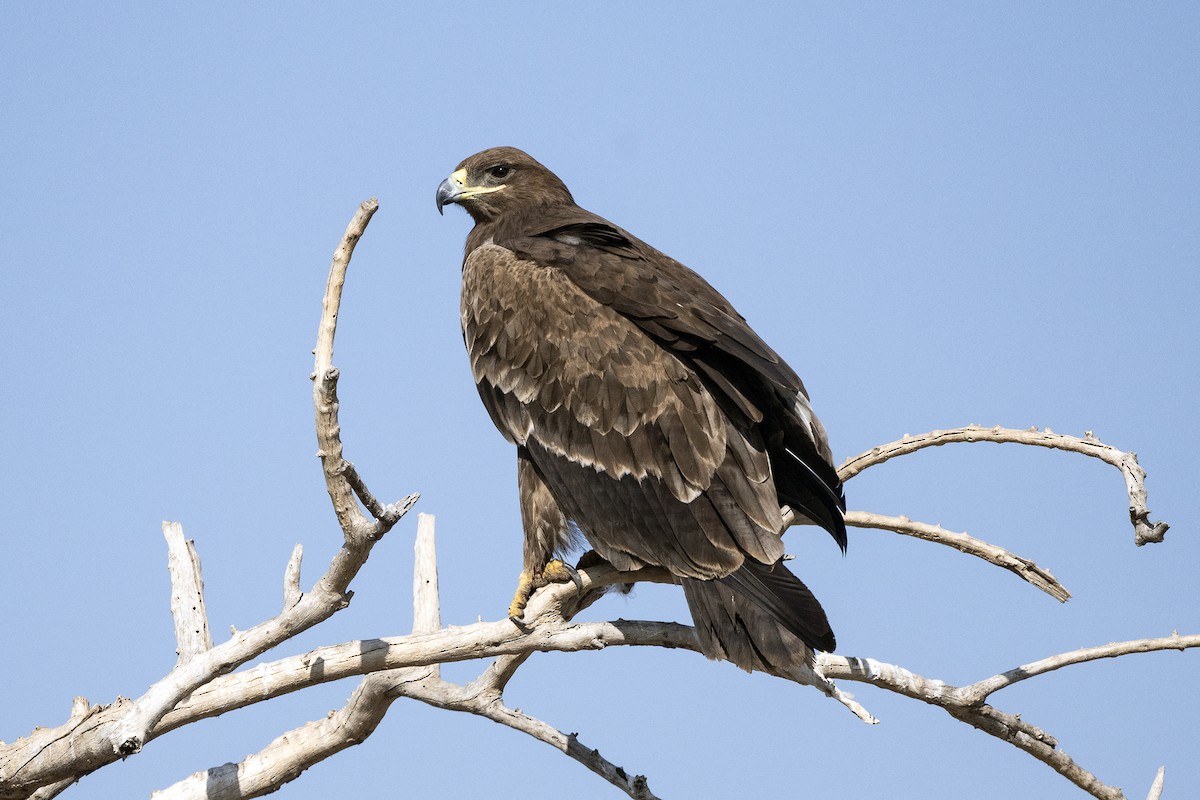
x=561, y=572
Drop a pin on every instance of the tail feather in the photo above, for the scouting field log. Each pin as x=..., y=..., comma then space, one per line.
x=760, y=617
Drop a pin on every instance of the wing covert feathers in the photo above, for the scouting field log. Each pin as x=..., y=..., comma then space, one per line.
x=648, y=413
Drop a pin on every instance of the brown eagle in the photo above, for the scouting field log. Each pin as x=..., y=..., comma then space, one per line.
x=647, y=415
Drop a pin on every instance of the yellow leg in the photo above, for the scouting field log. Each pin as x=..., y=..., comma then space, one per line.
x=520, y=599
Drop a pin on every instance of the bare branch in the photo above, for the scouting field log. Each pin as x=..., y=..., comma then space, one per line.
x=484, y=695
x=289, y=755
x=341, y=478
x=811, y=676
x=1135, y=477
x=187, y=594
x=50, y=755
x=119, y=730
x=427, y=615
x=981, y=690
x=1004, y=727
x=962, y=703
x=1021, y=567
x=50, y=760
x=1015, y=731
x=490, y=704
x=1156, y=788
x=291, y=578
x=284, y=759
x=51, y=790
x=966, y=703
x=547, y=632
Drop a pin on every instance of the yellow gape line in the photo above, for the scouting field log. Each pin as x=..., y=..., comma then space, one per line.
x=459, y=179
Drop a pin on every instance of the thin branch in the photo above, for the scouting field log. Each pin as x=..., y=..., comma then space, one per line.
x=119, y=730
x=341, y=478
x=981, y=690
x=961, y=703
x=490, y=704
x=1014, y=730
x=427, y=615
x=1021, y=567
x=985, y=718
x=812, y=676
x=187, y=594
x=1135, y=477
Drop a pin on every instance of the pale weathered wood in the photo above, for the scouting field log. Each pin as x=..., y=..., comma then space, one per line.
x=1145, y=531
x=1156, y=788
x=427, y=614
x=80, y=746
x=187, y=594
x=291, y=578
x=1021, y=567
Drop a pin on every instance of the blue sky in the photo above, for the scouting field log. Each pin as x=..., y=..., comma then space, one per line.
x=938, y=213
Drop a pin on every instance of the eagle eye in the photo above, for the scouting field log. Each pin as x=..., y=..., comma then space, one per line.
x=500, y=171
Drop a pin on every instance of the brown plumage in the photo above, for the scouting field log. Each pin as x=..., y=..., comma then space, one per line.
x=646, y=412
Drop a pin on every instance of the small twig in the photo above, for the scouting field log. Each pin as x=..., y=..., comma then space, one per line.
x=1135, y=477
x=1021, y=567
x=291, y=578
x=490, y=704
x=427, y=615
x=187, y=594
x=811, y=676
x=1156, y=788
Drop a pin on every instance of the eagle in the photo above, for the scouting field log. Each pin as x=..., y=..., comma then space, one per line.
x=647, y=415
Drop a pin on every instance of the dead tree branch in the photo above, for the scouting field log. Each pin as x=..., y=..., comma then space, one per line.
x=1021, y=567
x=187, y=594
x=1145, y=531
x=203, y=682
x=105, y=734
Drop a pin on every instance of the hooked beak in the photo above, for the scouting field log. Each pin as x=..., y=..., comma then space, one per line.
x=451, y=189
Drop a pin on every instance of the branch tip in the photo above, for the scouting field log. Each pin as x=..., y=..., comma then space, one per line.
x=1135, y=477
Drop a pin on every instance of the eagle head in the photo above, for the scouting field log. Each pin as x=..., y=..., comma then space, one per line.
x=499, y=181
